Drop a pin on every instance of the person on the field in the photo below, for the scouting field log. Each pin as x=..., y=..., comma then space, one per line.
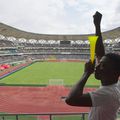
x=104, y=101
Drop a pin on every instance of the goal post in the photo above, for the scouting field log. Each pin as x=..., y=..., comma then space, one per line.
x=56, y=82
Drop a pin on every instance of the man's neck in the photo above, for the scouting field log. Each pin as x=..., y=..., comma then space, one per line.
x=107, y=83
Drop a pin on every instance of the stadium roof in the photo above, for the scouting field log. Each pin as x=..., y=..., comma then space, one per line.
x=11, y=31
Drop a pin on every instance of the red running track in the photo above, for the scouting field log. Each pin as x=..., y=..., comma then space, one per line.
x=35, y=100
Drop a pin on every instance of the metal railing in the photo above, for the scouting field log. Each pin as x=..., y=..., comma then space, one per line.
x=81, y=115
x=50, y=115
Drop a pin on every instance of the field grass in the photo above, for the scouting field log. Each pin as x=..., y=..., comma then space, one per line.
x=40, y=73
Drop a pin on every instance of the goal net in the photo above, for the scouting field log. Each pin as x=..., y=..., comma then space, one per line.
x=56, y=82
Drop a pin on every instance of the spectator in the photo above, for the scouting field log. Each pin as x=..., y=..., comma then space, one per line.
x=105, y=101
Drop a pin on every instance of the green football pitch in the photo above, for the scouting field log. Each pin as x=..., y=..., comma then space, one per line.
x=40, y=73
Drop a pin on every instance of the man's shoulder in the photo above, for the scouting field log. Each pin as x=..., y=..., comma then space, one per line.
x=103, y=90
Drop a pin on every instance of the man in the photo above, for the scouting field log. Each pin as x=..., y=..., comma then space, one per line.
x=105, y=101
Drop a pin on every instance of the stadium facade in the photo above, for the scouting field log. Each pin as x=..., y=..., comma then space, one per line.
x=17, y=45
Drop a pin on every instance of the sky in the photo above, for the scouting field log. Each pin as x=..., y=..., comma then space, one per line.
x=59, y=16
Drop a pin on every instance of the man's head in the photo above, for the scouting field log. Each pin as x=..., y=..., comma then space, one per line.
x=115, y=59
x=108, y=70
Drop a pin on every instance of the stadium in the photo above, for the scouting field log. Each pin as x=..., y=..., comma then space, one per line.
x=38, y=70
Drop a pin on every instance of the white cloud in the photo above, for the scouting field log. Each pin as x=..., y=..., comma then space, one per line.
x=72, y=2
x=59, y=16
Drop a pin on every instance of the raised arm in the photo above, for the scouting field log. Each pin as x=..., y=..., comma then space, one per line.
x=76, y=96
x=100, y=51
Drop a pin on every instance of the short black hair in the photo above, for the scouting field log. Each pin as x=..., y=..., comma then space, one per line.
x=115, y=58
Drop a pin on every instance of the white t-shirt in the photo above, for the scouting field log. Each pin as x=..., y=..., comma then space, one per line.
x=105, y=101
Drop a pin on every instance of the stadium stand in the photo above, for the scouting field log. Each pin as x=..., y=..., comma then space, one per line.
x=13, y=49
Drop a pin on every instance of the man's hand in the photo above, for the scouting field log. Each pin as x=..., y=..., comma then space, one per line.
x=97, y=18
x=89, y=67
